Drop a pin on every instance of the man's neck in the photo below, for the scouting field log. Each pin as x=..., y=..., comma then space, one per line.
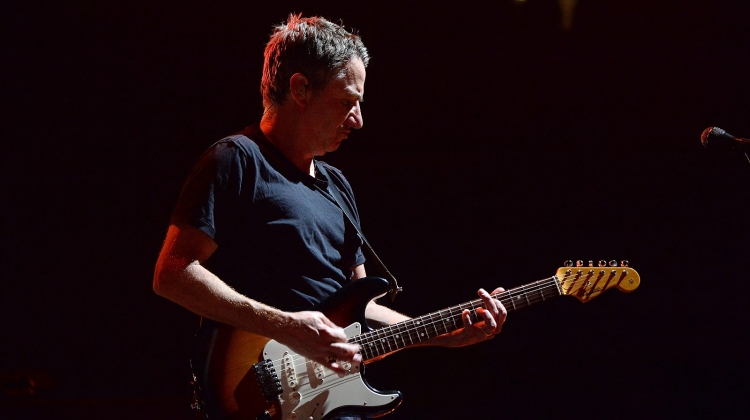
x=285, y=132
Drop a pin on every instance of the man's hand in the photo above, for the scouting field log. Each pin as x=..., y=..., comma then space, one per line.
x=491, y=319
x=493, y=315
x=314, y=336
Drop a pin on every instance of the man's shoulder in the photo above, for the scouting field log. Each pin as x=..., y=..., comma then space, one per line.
x=244, y=141
x=240, y=146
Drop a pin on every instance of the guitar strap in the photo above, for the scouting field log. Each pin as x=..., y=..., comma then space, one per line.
x=334, y=192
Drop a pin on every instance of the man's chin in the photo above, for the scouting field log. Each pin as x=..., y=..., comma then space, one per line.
x=335, y=145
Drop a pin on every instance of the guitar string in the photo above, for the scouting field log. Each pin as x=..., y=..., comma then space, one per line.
x=391, y=337
x=426, y=321
x=539, y=286
x=536, y=287
x=334, y=374
x=391, y=334
x=505, y=297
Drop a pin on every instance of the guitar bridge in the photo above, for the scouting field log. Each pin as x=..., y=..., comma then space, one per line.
x=268, y=380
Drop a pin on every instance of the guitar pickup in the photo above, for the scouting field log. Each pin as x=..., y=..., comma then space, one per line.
x=288, y=370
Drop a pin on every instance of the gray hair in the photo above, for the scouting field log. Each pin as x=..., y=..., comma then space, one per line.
x=312, y=46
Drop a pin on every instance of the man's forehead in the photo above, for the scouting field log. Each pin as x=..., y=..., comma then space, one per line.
x=350, y=79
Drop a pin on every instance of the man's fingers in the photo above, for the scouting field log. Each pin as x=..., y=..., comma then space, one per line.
x=331, y=330
x=466, y=316
x=345, y=350
x=337, y=334
x=342, y=356
x=495, y=313
x=489, y=303
x=489, y=319
x=502, y=311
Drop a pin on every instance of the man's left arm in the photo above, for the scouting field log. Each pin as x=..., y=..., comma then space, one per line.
x=492, y=317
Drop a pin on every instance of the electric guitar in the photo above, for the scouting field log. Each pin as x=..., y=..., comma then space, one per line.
x=248, y=376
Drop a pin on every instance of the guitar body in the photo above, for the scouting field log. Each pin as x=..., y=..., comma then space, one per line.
x=240, y=383
x=250, y=377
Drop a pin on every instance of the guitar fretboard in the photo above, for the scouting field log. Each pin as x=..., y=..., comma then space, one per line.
x=413, y=331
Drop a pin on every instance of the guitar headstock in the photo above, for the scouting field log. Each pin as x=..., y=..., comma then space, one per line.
x=586, y=283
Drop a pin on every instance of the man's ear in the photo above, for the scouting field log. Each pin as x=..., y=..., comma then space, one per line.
x=299, y=88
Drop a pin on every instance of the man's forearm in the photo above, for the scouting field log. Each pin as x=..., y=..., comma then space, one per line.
x=200, y=291
x=381, y=316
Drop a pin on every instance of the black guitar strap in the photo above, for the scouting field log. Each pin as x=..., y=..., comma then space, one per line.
x=334, y=191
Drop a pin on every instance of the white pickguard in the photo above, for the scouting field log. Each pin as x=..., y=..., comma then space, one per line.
x=311, y=391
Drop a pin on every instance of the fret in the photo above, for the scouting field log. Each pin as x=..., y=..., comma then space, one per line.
x=472, y=312
x=372, y=349
x=411, y=338
x=442, y=320
x=440, y=323
x=382, y=343
x=557, y=285
x=541, y=287
x=393, y=338
x=512, y=301
x=544, y=293
x=452, y=319
x=374, y=345
x=397, y=337
x=435, y=320
x=531, y=294
x=400, y=334
x=528, y=302
x=375, y=349
x=425, y=323
x=388, y=338
x=410, y=332
x=363, y=349
x=424, y=335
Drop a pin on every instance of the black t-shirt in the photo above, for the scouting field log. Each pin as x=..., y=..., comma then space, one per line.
x=282, y=239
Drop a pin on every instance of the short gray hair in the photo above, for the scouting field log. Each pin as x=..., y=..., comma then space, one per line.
x=312, y=46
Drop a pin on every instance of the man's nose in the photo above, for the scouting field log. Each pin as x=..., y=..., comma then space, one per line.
x=355, y=117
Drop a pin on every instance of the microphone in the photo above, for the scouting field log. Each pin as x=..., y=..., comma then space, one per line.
x=714, y=138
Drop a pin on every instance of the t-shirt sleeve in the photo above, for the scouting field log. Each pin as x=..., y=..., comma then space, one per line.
x=211, y=193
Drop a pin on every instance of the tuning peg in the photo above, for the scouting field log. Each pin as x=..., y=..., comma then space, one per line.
x=568, y=263
x=602, y=263
x=591, y=263
x=625, y=263
x=579, y=263
x=613, y=263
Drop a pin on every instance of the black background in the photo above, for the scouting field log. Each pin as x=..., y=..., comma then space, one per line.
x=496, y=145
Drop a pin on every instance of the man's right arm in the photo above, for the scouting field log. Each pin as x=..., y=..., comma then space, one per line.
x=181, y=277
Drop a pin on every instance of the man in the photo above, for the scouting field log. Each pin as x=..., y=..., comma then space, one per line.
x=256, y=240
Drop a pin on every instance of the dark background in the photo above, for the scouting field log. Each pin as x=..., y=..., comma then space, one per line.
x=496, y=145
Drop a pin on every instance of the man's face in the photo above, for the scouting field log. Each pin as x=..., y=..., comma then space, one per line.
x=335, y=110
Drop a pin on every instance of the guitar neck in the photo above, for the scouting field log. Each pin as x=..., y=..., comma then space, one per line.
x=413, y=331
